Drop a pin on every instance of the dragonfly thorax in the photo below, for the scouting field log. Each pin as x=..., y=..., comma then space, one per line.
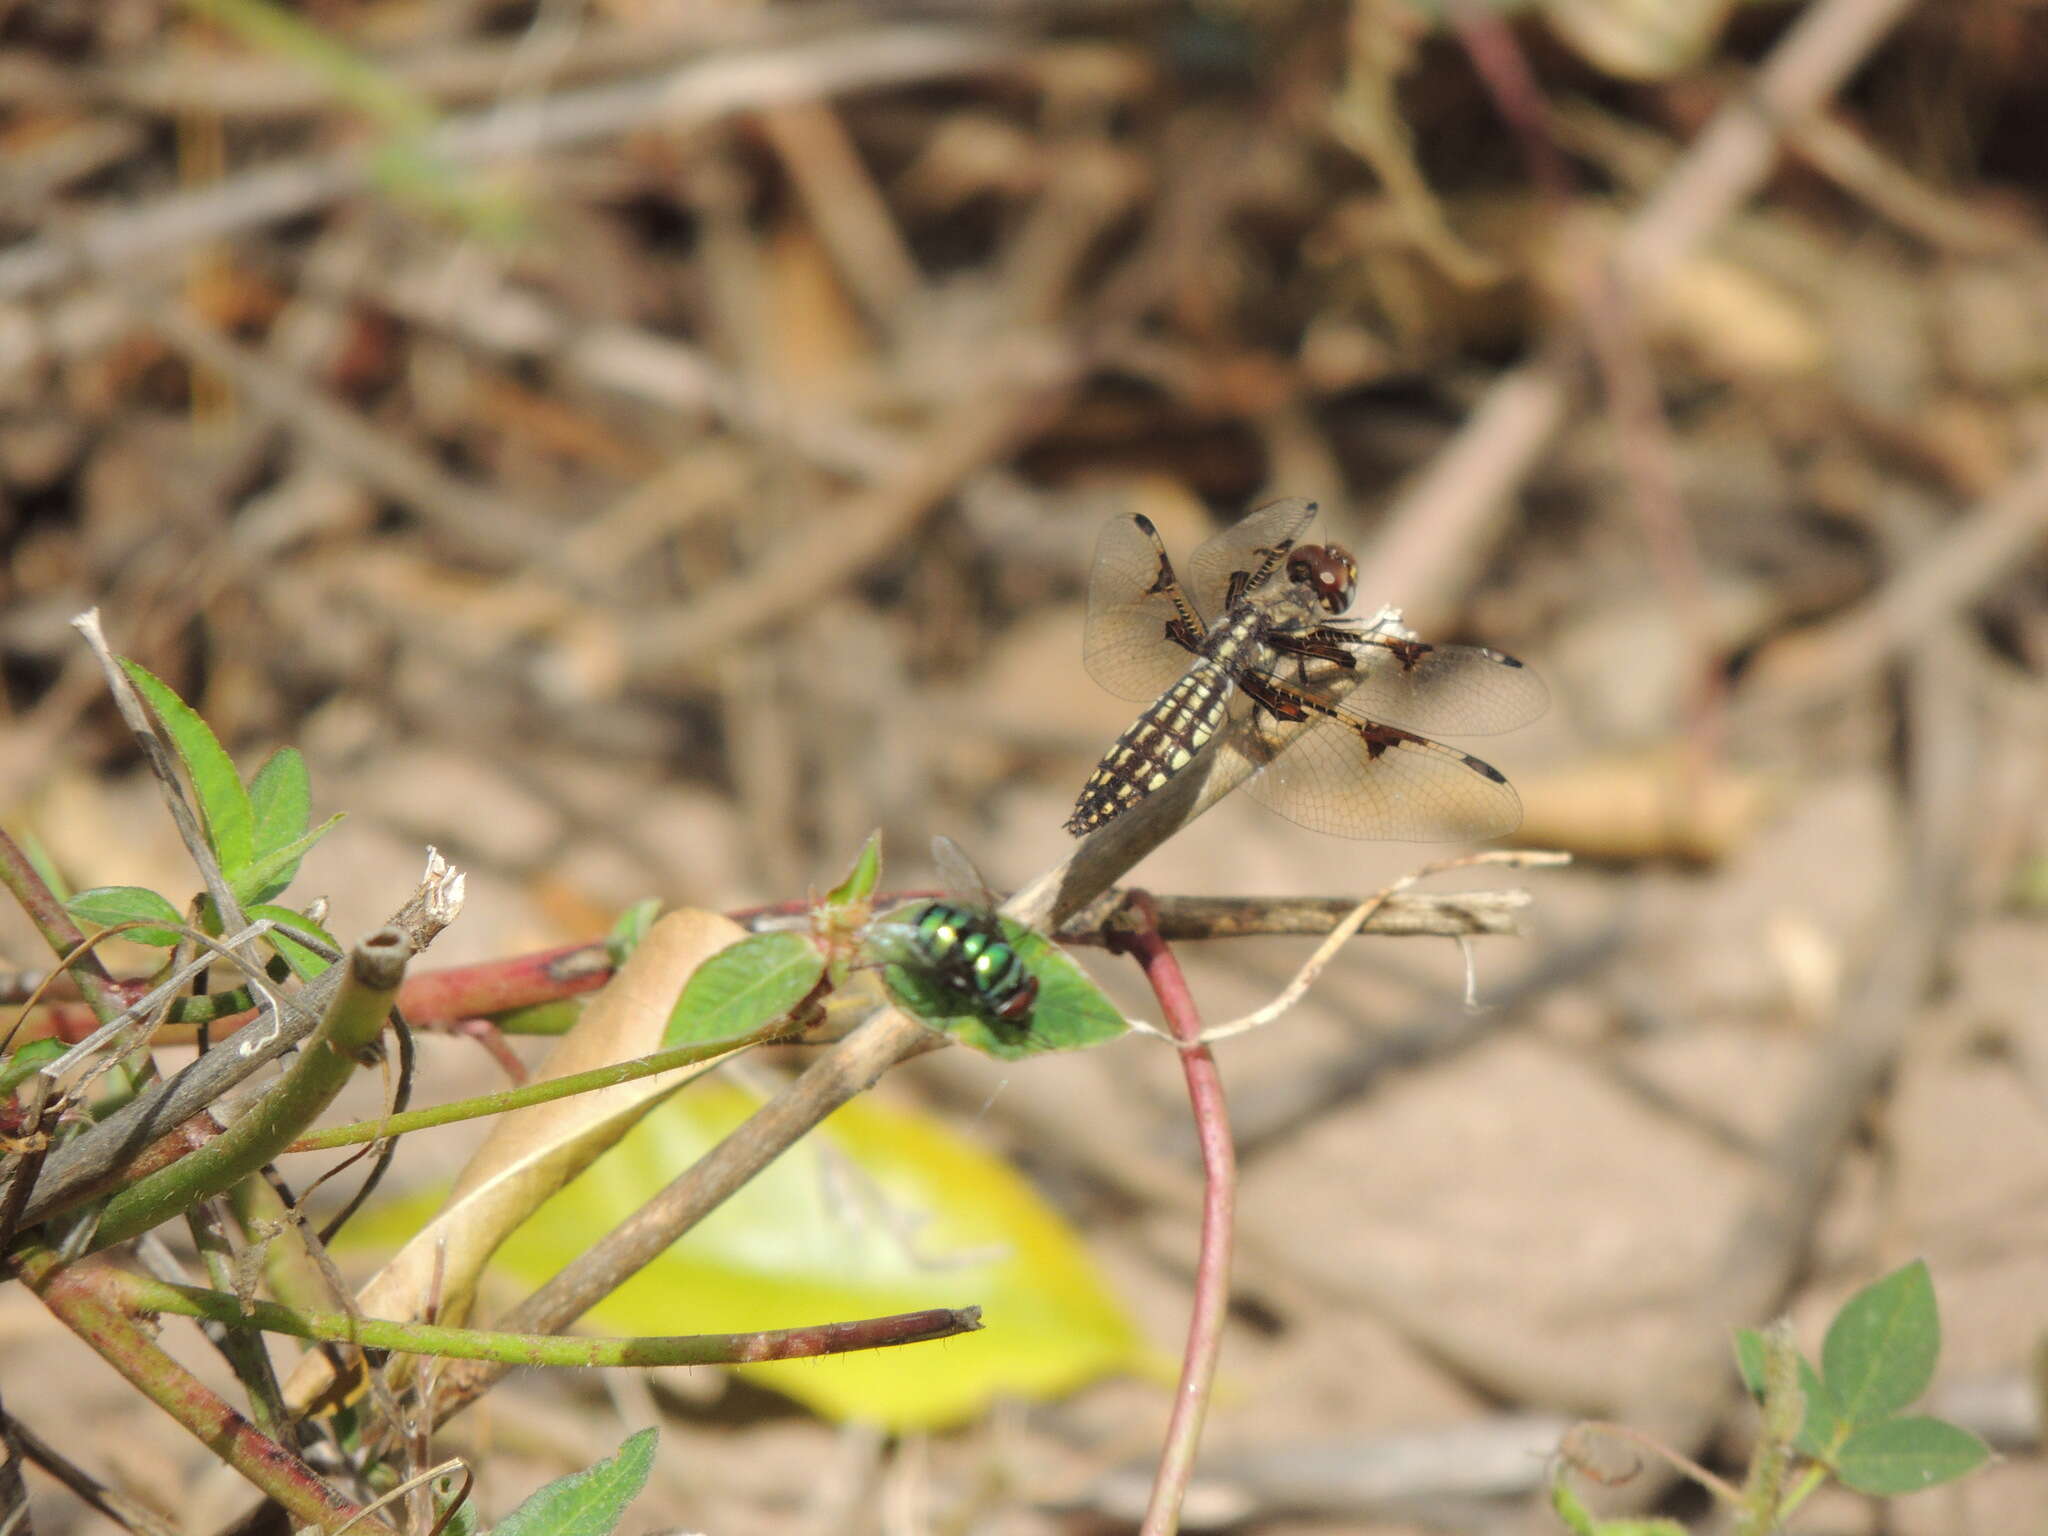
x=1240, y=635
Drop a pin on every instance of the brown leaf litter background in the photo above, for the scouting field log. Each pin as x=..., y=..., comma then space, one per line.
x=639, y=447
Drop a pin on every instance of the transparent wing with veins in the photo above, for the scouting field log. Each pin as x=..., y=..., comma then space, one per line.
x=1352, y=776
x=1134, y=597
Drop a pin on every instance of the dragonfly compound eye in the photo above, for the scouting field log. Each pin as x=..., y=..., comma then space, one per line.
x=1326, y=570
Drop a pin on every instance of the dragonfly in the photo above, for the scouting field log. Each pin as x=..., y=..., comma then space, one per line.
x=1253, y=657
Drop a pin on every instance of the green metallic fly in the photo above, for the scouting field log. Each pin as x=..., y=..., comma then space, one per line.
x=960, y=943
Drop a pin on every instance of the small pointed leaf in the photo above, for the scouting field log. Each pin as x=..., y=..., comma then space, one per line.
x=269, y=873
x=31, y=1058
x=860, y=880
x=106, y=905
x=744, y=988
x=586, y=1503
x=281, y=799
x=631, y=928
x=1905, y=1455
x=1880, y=1349
x=304, y=962
x=223, y=803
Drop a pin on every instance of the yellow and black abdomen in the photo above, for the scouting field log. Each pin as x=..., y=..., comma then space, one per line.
x=1160, y=743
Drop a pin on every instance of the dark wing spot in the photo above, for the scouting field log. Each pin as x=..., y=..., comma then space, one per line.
x=1484, y=769
x=1378, y=738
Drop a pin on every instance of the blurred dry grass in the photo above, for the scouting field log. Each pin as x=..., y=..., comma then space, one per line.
x=642, y=447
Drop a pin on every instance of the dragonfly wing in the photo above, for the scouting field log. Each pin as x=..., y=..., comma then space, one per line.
x=1243, y=546
x=1352, y=776
x=1126, y=648
x=1461, y=690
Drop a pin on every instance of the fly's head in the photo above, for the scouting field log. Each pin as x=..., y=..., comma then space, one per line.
x=1327, y=571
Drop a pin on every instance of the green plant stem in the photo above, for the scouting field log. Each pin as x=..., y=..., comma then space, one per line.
x=352, y=1022
x=140, y=1293
x=1809, y=1481
x=1219, y=1208
x=1785, y=1409
x=244, y=1351
x=81, y=1296
x=516, y=1098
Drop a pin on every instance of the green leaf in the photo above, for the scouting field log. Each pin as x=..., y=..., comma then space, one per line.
x=106, y=905
x=879, y=1210
x=1880, y=1349
x=29, y=1059
x=223, y=803
x=269, y=873
x=586, y=1503
x=1070, y=1011
x=304, y=963
x=1906, y=1455
x=630, y=929
x=281, y=799
x=860, y=880
x=1823, y=1427
x=744, y=988
x=1577, y=1518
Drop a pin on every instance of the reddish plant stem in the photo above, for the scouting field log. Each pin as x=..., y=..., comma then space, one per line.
x=79, y=1295
x=1219, y=1211
x=440, y=998
x=57, y=928
x=499, y=986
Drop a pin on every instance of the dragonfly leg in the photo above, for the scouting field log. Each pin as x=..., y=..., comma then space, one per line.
x=1270, y=694
x=1321, y=645
x=1242, y=582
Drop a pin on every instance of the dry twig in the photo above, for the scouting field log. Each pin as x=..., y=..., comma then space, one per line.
x=1440, y=531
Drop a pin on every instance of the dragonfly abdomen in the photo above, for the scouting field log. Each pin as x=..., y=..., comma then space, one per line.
x=1160, y=743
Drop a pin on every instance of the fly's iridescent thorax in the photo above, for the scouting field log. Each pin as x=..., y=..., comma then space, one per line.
x=1328, y=571
x=967, y=950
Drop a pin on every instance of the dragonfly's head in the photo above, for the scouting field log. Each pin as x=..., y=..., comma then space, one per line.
x=1327, y=571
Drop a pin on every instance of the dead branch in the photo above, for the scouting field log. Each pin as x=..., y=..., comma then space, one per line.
x=1441, y=530
x=689, y=97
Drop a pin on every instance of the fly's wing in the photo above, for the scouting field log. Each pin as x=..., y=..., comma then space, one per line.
x=958, y=874
x=1256, y=544
x=1131, y=591
x=1461, y=690
x=1352, y=776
